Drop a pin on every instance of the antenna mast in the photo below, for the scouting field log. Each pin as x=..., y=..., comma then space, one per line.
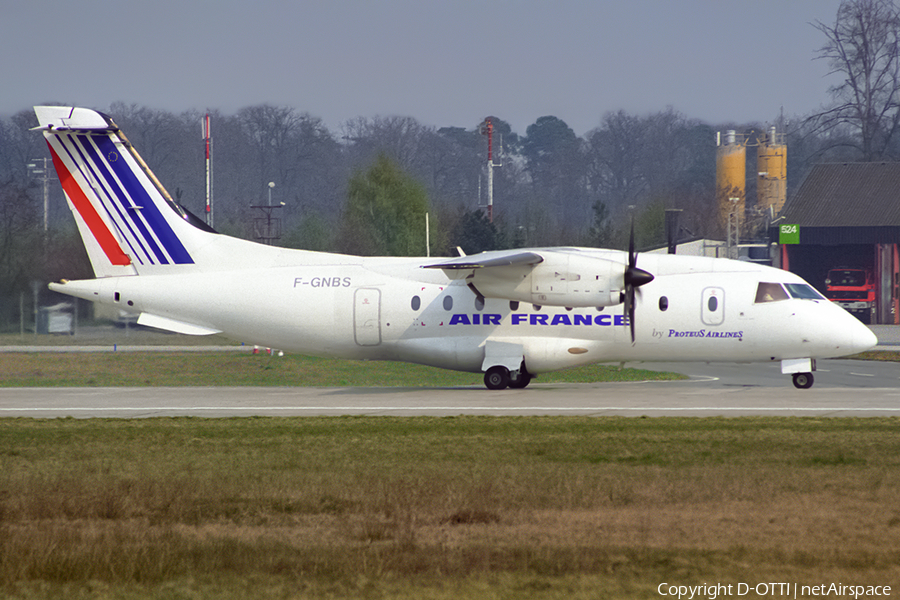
x=207, y=139
x=487, y=128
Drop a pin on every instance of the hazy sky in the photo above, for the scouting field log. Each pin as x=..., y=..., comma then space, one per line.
x=443, y=62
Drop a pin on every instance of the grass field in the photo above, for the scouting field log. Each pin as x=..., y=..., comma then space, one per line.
x=236, y=369
x=440, y=508
x=465, y=507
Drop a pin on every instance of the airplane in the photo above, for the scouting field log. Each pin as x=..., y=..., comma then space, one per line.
x=509, y=314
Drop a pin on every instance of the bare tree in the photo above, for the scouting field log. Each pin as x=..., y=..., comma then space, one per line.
x=863, y=48
x=615, y=155
x=400, y=138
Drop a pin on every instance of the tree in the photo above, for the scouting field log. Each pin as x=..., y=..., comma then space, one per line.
x=650, y=226
x=20, y=245
x=554, y=159
x=385, y=212
x=474, y=233
x=292, y=149
x=863, y=47
x=615, y=151
x=453, y=163
x=601, y=232
x=400, y=138
x=313, y=233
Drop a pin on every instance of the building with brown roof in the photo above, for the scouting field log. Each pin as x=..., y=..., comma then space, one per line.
x=847, y=216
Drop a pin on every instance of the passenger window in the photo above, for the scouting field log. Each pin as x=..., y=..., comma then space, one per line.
x=536, y=306
x=513, y=305
x=416, y=302
x=448, y=302
x=712, y=309
x=663, y=303
x=770, y=292
x=479, y=302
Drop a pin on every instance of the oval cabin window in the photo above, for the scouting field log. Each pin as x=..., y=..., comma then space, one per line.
x=416, y=302
x=713, y=304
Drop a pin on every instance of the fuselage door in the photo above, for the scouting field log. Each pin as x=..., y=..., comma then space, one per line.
x=712, y=307
x=367, y=316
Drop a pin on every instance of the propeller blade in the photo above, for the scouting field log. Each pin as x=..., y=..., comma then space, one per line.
x=632, y=257
x=629, y=309
x=634, y=278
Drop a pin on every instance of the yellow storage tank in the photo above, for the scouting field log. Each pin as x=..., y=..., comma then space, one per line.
x=771, y=161
x=731, y=175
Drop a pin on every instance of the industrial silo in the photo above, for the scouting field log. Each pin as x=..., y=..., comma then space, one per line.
x=731, y=177
x=771, y=187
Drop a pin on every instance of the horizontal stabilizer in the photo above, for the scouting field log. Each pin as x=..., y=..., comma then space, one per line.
x=168, y=324
x=68, y=118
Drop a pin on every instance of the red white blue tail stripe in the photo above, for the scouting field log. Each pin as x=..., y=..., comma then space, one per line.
x=124, y=211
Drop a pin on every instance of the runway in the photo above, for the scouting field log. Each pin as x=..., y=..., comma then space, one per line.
x=844, y=388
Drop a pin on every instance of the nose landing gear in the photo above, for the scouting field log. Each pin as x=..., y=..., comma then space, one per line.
x=803, y=381
x=801, y=369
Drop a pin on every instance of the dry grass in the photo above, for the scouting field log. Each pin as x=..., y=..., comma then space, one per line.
x=103, y=369
x=880, y=355
x=442, y=508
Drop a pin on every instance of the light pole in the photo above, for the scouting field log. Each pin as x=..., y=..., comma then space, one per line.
x=267, y=229
x=38, y=169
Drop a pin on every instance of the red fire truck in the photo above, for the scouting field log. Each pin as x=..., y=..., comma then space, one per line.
x=854, y=289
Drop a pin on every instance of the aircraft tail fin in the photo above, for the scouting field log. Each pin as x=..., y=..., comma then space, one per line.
x=128, y=222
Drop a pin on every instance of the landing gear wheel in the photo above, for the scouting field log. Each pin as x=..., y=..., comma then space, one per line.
x=496, y=378
x=521, y=381
x=803, y=381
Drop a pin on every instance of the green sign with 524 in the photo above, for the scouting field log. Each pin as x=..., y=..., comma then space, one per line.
x=789, y=234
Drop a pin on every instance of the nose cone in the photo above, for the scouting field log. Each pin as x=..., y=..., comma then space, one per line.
x=864, y=339
x=637, y=277
x=848, y=335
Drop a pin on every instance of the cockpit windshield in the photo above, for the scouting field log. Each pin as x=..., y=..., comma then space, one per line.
x=770, y=292
x=775, y=292
x=803, y=291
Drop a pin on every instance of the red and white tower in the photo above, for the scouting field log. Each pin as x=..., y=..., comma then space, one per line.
x=207, y=140
x=487, y=128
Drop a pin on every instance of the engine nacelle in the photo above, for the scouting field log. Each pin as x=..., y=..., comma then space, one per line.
x=562, y=279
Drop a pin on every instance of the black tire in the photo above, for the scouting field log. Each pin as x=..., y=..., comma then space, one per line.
x=496, y=378
x=521, y=381
x=803, y=381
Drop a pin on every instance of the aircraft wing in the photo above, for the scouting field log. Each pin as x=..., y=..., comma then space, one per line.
x=551, y=277
x=503, y=258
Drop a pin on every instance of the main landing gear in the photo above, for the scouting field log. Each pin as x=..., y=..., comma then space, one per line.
x=803, y=381
x=499, y=377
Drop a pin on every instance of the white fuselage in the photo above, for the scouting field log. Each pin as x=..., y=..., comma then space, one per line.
x=392, y=309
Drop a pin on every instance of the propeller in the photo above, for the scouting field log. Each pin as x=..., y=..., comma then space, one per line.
x=634, y=278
